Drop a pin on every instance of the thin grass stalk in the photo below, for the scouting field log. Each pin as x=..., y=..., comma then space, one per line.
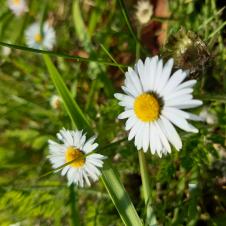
x=74, y=210
x=150, y=216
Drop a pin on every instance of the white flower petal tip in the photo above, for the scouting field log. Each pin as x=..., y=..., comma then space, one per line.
x=154, y=100
x=74, y=146
x=35, y=39
x=18, y=7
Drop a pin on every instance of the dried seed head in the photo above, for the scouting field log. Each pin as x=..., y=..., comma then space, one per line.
x=189, y=52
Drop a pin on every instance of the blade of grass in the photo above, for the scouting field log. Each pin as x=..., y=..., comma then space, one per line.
x=52, y=53
x=219, y=98
x=109, y=177
x=132, y=33
x=211, y=18
x=125, y=15
x=80, y=28
x=74, y=209
x=150, y=217
x=85, y=40
x=216, y=31
x=110, y=56
x=71, y=106
x=119, y=196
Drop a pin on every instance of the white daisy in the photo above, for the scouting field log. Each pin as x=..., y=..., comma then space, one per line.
x=55, y=102
x=144, y=11
x=153, y=102
x=36, y=40
x=18, y=7
x=75, y=147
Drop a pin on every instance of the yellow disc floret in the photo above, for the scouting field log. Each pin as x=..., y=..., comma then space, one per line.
x=38, y=38
x=75, y=154
x=147, y=107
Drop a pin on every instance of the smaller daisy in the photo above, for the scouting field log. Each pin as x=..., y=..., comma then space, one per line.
x=18, y=7
x=144, y=11
x=74, y=146
x=36, y=40
x=55, y=102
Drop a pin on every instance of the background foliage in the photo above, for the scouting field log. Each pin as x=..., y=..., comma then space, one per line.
x=188, y=187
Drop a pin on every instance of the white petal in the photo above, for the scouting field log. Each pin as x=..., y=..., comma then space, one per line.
x=139, y=136
x=176, y=112
x=64, y=170
x=178, y=94
x=178, y=121
x=123, y=97
x=152, y=138
x=88, y=144
x=150, y=71
x=194, y=117
x=170, y=133
x=158, y=76
x=163, y=139
x=187, y=84
x=131, y=121
x=174, y=81
x=142, y=75
x=189, y=104
x=129, y=90
x=178, y=101
x=157, y=141
x=165, y=75
x=134, y=129
x=133, y=80
x=146, y=136
x=126, y=114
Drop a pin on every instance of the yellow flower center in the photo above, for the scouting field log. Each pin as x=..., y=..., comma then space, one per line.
x=38, y=38
x=16, y=2
x=75, y=154
x=147, y=107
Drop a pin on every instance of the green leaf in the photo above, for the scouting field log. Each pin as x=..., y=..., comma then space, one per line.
x=119, y=196
x=71, y=106
x=52, y=53
x=80, y=28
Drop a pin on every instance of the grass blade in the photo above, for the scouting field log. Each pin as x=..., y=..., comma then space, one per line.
x=52, y=53
x=71, y=106
x=125, y=15
x=150, y=216
x=119, y=196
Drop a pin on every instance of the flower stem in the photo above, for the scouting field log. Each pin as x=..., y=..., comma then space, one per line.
x=74, y=212
x=150, y=217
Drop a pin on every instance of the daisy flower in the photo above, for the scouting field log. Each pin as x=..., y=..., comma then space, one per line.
x=74, y=146
x=154, y=102
x=36, y=40
x=144, y=11
x=18, y=7
x=55, y=102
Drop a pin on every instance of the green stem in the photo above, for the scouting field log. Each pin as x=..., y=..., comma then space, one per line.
x=119, y=196
x=150, y=217
x=74, y=212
